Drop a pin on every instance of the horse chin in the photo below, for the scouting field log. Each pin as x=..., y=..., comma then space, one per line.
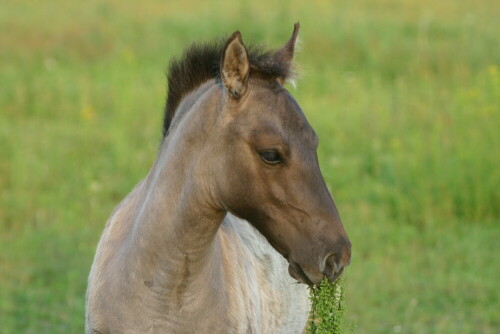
x=297, y=273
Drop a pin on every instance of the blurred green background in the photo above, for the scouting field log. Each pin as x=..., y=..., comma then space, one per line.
x=404, y=95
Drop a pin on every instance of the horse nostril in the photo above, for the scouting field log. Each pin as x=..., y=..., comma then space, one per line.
x=335, y=263
x=331, y=266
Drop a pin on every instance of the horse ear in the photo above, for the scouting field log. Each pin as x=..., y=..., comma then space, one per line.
x=235, y=66
x=285, y=54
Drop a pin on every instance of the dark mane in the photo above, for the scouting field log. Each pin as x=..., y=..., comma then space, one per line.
x=201, y=62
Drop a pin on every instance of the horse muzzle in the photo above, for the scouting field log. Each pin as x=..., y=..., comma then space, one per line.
x=331, y=266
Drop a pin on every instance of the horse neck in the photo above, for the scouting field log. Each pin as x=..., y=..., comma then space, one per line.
x=173, y=236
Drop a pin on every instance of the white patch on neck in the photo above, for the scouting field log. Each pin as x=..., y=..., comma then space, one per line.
x=296, y=303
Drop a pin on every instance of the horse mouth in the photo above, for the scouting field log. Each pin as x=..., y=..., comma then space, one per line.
x=296, y=272
x=336, y=276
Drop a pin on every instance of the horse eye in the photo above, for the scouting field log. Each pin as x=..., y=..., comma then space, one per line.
x=271, y=157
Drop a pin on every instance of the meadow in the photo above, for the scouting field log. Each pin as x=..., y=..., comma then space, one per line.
x=404, y=96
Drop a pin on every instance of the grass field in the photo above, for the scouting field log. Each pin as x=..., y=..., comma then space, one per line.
x=404, y=95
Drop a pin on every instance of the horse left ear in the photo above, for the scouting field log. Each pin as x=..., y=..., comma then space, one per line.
x=235, y=66
x=285, y=54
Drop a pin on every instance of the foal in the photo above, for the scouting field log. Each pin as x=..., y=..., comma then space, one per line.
x=235, y=197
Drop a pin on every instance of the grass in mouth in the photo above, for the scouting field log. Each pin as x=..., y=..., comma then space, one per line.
x=327, y=308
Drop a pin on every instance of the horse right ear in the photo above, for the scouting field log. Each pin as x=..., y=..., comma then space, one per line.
x=285, y=54
x=235, y=66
